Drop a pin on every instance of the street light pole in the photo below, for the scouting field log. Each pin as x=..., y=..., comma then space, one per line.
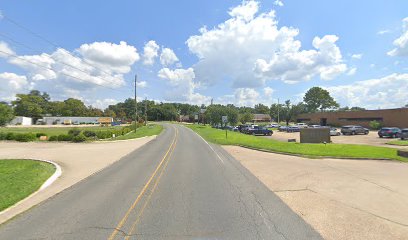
x=135, y=103
x=278, y=111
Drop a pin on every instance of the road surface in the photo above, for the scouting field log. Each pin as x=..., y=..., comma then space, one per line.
x=175, y=187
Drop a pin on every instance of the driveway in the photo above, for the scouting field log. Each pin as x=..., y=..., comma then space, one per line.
x=77, y=160
x=341, y=199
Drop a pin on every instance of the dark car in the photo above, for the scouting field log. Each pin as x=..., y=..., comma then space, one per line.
x=293, y=129
x=404, y=133
x=282, y=128
x=392, y=132
x=259, y=131
x=242, y=128
x=353, y=130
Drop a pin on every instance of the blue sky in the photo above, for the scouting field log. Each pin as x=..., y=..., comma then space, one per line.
x=250, y=52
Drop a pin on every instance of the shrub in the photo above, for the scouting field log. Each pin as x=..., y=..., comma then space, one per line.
x=74, y=132
x=3, y=136
x=10, y=136
x=25, y=137
x=104, y=134
x=53, y=138
x=40, y=134
x=79, y=138
x=65, y=137
x=375, y=125
x=88, y=133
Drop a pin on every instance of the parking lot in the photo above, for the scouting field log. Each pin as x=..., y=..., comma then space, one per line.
x=370, y=139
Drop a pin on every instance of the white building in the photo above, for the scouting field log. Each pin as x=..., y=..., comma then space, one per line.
x=24, y=121
x=72, y=120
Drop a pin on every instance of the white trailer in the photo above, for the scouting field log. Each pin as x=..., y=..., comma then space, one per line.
x=24, y=121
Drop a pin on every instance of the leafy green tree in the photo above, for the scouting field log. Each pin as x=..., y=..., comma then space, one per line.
x=74, y=107
x=276, y=111
x=30, y=105
x=215, y=112
x=291, y=111
x=6, y=114
x=246, y=117
x=317, y=98
x=260, y=108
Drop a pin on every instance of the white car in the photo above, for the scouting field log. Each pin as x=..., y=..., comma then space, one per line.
x=315, y=126
x=334, y=132
x=301, y=125
x=273, y=125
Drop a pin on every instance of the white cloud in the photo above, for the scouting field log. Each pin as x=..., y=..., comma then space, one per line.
x=278, y=3
x=110, y=56
x=401, y=43
x=246, y=96
x=102, y=103
x=168, y=57
x=250, y=49
x=182, y=86
x=5, y=50
x=141, y=84
x=387, y=92
x=352, y=71
x=382, y=32
x=357, y=56
x=150, y=52
x=268, y=91
x=38, y=65
x=11, y=84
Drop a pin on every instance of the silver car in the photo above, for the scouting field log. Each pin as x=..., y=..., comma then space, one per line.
x=334, y=132
x=404, y=133
x=353, y=130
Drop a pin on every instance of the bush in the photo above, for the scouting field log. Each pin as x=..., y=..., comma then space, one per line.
x=104, y=134
x=74, y=132
x=10, y=136
x=3, y=136
x=53, y=138
x=89, y=133
x=65, y=137
x=375, y=125
x=40, y=134
x=25, y=137
x=79, y=138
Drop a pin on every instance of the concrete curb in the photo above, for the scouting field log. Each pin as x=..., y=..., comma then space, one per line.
x=126, y=140
x=47, y=183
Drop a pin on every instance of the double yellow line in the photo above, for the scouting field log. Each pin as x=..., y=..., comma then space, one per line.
x=146, y=186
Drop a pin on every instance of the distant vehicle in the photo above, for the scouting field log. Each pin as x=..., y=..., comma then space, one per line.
x=334, y=132
x=301, y=125
x=314, y=126
x=242, y=128
x=293, y=129
x=259, y=131
x=67, y=122
x=353, y=130
x=392, y=132
x=282, y=128
x=404, y=133
x=235, y=129
x=273, y=125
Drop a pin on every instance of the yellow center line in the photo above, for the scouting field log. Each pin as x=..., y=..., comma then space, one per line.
x=123, y=220
x=150, y=194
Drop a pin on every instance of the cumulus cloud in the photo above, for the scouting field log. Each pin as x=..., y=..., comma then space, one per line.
x=150, y=52
x=5, y=50
x=250, y=48
x=357, y=56
x=102, y=103
x=401, y=43
x=246, y=96
x=11, y=84
x=268, y=91
x=168, y=57
x=387, y=92
x=352, y=71
x=141, y=84
x=182, y=86
x=278, y=3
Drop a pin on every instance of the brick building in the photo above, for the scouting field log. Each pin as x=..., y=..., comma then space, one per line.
x=387, y=117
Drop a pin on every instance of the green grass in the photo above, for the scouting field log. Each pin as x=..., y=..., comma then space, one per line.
x=399, y=142
x=310, y=150
x=149, y=130
x=20, y=178
x=53, y=131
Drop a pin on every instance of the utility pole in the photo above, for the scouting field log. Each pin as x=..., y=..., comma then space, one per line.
x=135, y=103
x=278, y=111
x=146, y=111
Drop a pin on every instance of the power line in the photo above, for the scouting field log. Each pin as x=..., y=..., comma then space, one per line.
x=48, y=68
x=63, y=63
x=49, y=42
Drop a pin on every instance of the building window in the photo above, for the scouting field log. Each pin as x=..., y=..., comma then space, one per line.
x=379, y=119
x=303, y=120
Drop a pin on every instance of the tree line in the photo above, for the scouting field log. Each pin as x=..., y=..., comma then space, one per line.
x=38, y=104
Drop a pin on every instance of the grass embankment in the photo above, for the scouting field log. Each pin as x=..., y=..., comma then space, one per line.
x=310, y=150
x=398, y=142
x=149, y=130
x=20, y=178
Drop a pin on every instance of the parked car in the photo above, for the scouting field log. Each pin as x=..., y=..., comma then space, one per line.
x=392, y=132
x=301, y=125
x=273, y=125
x=256, y=130
x=235, y=129
x=282, y=128
x=353, y=130
x=293, y=129
x=334, y=132
x=404, y=133
x=314, y=126
x=242, y=128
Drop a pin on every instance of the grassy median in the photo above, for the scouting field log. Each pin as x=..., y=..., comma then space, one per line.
x=310, y=150
x=20, y=178
x=149, y=130
x=398, y=142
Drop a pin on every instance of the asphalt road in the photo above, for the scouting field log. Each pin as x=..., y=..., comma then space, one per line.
x=175, y=187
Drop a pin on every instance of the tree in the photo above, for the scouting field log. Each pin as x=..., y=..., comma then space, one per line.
x=74, y=108
x=275, y=111
x=260, y=108
x=317, y=98
x=290, y=111
x=246, y=117
x=30, y=105
x=6, y=114
x=215, y=112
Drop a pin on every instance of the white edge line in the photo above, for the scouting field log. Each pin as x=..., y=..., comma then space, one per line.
x=47, y=183
x=207, y=144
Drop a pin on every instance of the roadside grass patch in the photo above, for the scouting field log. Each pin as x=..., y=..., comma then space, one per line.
x=20, y=178
x=149, y=130
x=310, y=150
x=398, y=142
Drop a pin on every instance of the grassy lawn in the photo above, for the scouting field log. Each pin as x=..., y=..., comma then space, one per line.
x=399, y=142
x=20, y=178
x=311, y=150
x=53, y=131
x=149, y=130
